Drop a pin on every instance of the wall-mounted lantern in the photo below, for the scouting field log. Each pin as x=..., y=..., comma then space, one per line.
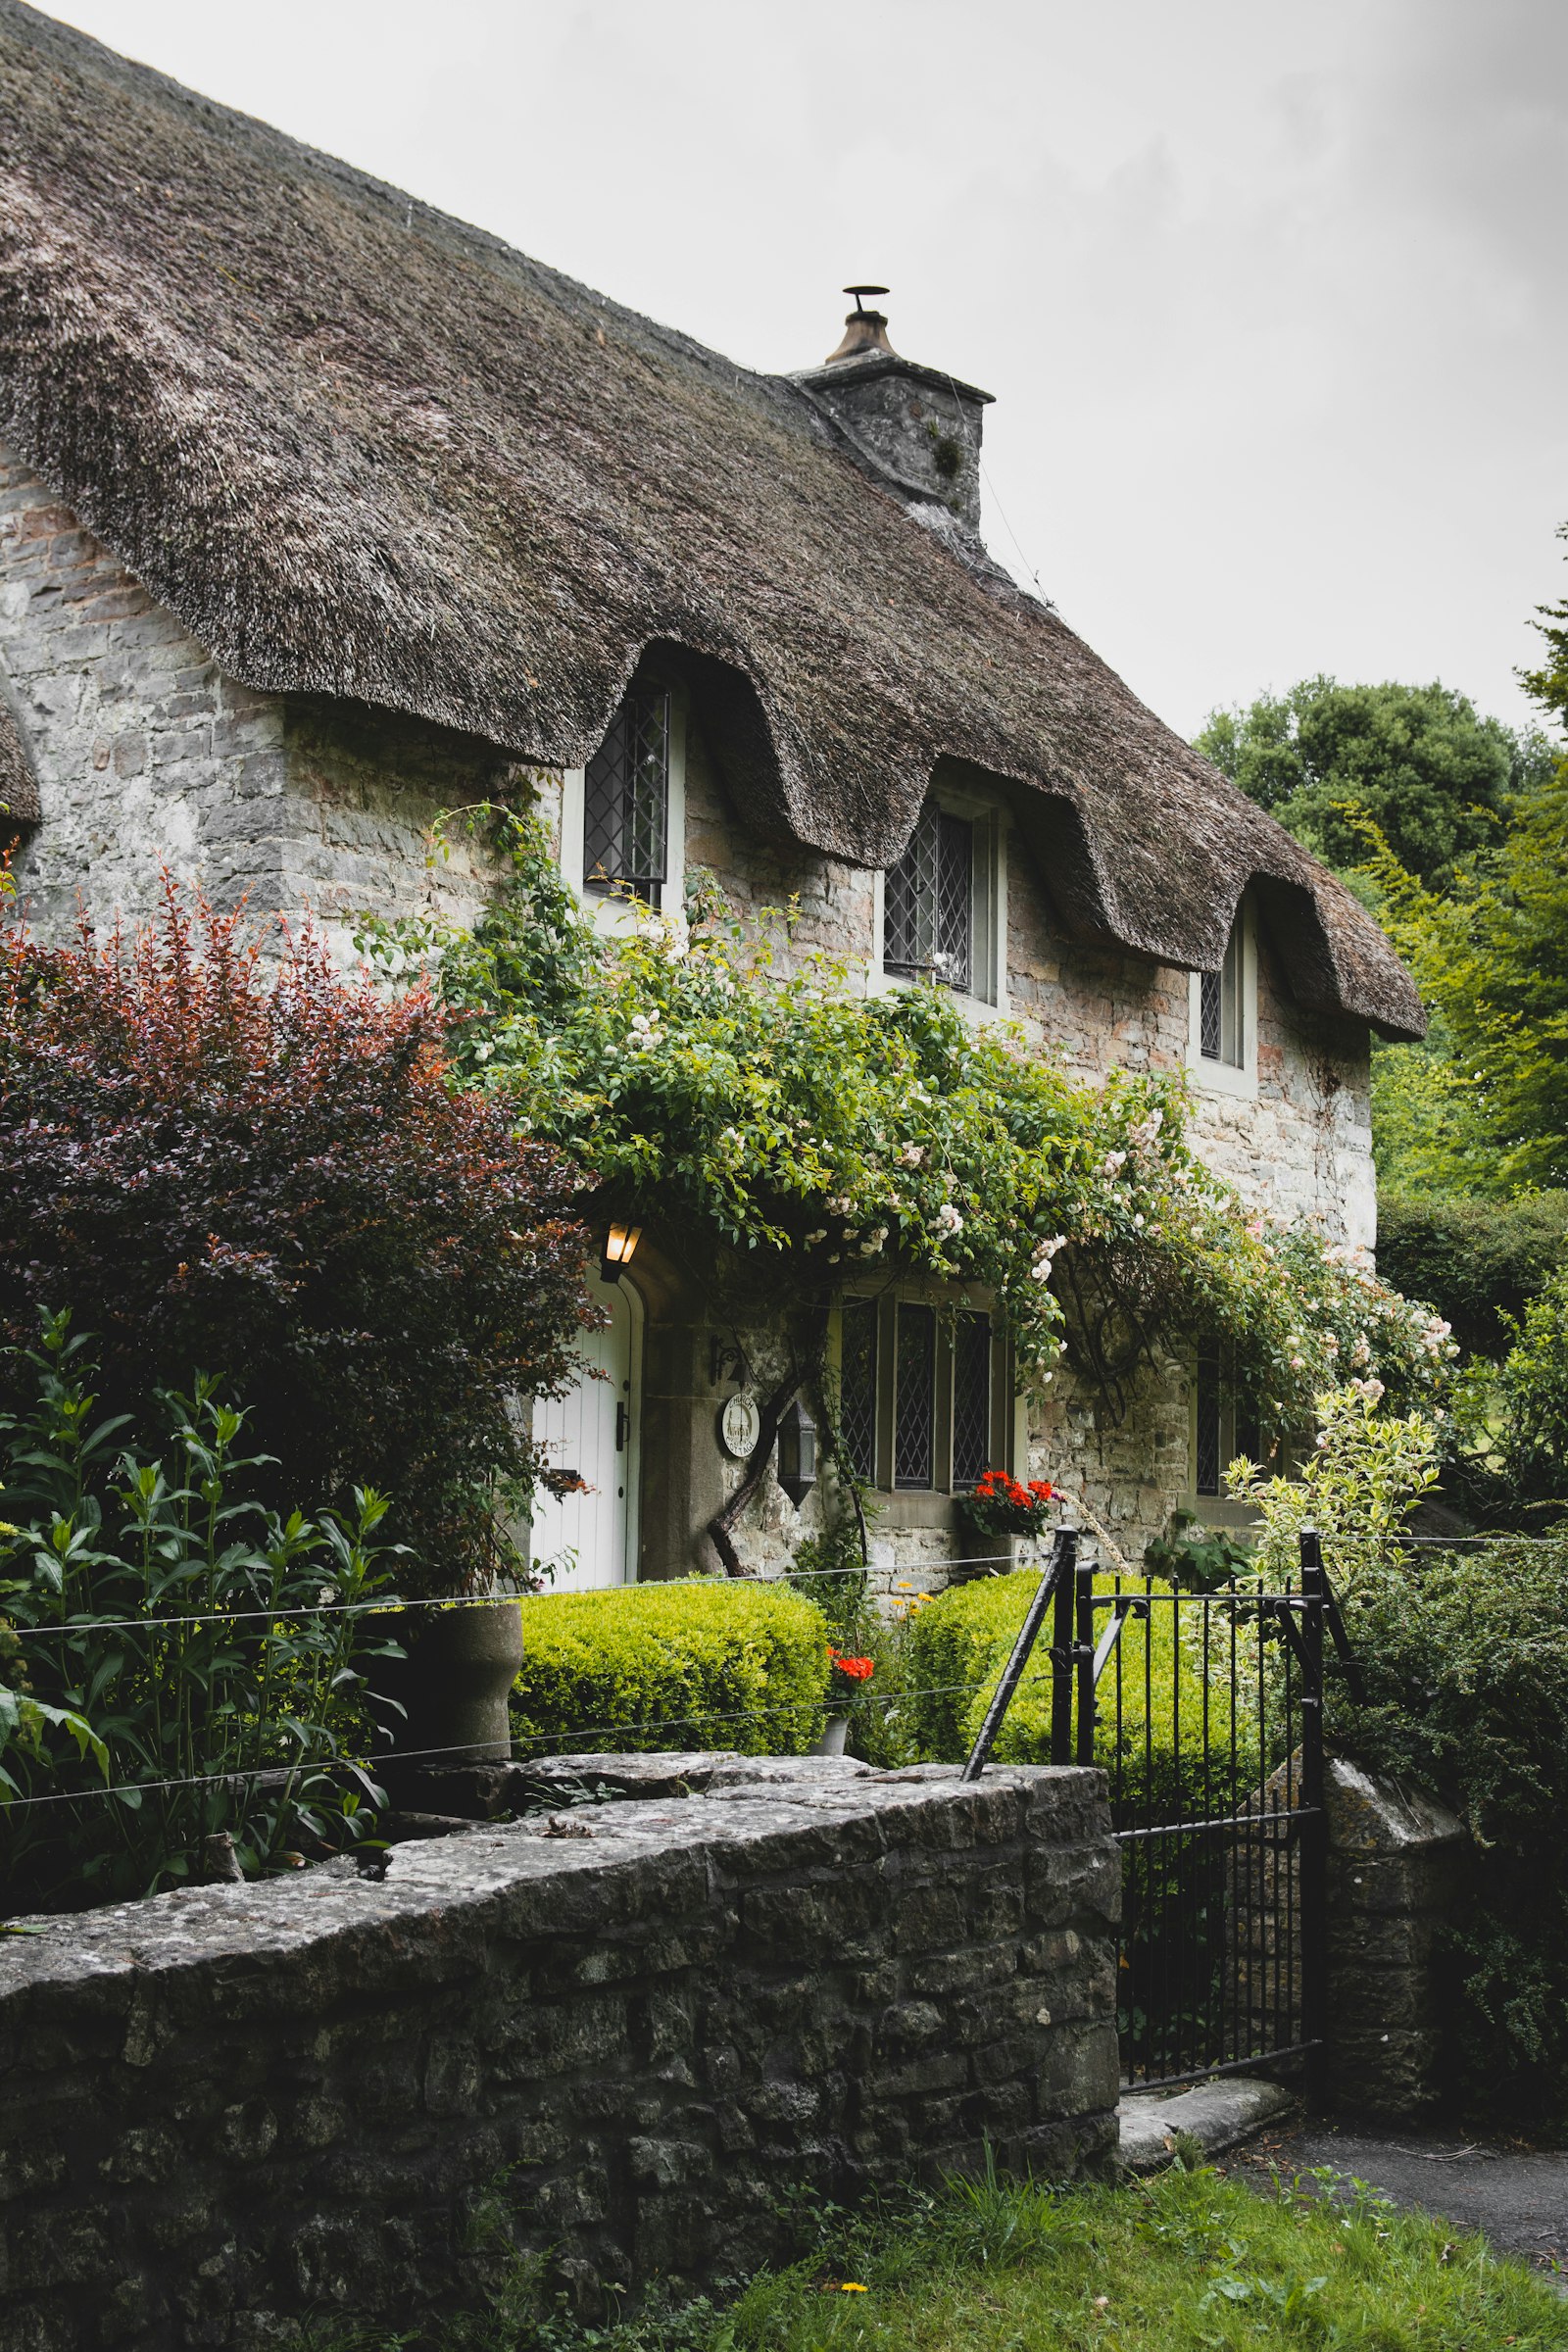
x=797, y=1452
x=620, y=1248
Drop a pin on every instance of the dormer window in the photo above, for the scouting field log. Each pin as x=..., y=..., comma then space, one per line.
x=1222, y=1008
x=625, y=803
x=940, y=903
x=1222, y=1019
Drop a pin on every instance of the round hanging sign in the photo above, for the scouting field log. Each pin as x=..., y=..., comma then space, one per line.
x=738, y=1425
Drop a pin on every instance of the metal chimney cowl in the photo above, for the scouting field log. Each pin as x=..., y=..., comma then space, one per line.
x=917, y=427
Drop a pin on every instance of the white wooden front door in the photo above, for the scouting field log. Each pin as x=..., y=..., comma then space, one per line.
x=590, y=1539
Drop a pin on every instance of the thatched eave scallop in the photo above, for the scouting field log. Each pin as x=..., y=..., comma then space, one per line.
x=362, y=450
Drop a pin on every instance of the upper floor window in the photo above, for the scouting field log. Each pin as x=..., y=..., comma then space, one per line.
x=1222, y=1017
x=625, y=803
x=940, y=903
x=1222, y=1008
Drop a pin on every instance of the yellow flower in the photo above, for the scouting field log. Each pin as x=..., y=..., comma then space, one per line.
x=846, y=2286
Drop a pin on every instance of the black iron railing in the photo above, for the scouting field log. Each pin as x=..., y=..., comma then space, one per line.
x=1205, y=1711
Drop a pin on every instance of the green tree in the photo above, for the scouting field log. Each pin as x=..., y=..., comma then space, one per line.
x=1418, y=762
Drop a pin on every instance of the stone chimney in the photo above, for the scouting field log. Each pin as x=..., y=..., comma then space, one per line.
x=919, y=428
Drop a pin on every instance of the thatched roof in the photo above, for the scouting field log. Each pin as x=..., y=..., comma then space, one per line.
x=364, y=450
x=19, y=788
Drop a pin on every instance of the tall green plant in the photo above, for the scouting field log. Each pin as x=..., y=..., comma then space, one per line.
x=182, y=1663
x=1364, y=1477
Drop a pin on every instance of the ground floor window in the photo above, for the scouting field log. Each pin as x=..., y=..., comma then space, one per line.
x=1224, y=1425
x=924, y=1400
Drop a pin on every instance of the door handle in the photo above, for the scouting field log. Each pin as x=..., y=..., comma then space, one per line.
x=623, y=1427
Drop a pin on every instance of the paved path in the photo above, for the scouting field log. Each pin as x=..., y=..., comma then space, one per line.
x=1518, y=2197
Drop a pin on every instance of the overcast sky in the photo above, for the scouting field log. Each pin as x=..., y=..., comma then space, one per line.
x=1270, y=296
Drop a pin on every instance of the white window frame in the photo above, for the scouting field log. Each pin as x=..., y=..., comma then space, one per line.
x=989, y=917
x=614, y=913
x=1236, y=1079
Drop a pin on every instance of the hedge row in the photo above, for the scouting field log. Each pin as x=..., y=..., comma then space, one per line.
x=690, y=1664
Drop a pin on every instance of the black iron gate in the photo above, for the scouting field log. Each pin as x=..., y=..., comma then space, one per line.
x=1205, y=1711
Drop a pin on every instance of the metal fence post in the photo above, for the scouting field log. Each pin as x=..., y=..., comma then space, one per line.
x=1061, y=1645
x=1055, y=1579
x=1084, y=1652
x=1314, y=1832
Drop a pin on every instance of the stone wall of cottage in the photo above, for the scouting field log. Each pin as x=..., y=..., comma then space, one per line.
x=151, y=759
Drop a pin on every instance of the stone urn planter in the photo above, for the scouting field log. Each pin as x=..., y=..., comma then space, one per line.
x=452, y=1683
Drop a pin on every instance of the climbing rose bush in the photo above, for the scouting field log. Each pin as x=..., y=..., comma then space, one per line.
x=821, y=1135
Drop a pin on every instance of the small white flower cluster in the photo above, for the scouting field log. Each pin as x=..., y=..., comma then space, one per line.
x=1114, y=1164
x=1144, y=1133
x=1372, y=1389
x=1043, y=1252
x=1435, y=1339
x=912, y=1156
x=948, y=1221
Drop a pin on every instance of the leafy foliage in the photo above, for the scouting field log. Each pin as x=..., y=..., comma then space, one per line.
x=164, y=1629
x=1366, y=1474
x=1480, y=1261
x=788, y=1133
x=1418, y=762
x=1466, y=1663
x=221, y=1164
x=693, y=1664
x=1197, y=1559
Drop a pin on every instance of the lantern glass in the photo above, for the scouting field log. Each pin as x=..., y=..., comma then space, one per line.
x=620, y=1248
x=797, y=1452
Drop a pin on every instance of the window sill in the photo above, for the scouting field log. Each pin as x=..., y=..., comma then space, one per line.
x=1222, y=1078
x=974, y=1009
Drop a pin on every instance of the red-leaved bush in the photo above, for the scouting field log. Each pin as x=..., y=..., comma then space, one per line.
x=263, y=1173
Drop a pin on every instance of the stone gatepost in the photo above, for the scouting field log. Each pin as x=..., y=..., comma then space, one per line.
x=1397, y=1869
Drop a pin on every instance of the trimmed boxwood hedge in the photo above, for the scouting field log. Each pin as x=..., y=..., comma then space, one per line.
x=691, y=1664
x=959, y=1645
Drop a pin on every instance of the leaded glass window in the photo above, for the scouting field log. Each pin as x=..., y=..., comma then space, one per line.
x=971, y=1398
x=928, y=901
x=1221, y=1012
x=857, y=1386
x=915, y=1395
x=626, y=802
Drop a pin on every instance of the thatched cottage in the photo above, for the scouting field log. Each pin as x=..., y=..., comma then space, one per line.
x=320, y=512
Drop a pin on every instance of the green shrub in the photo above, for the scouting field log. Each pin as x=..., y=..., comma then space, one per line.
x=1478, y=1262
x=701, y=1663
x=959, y=1646
x=1466, y=1663
x=147, y=1690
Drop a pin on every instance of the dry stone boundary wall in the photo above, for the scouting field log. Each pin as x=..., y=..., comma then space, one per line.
x=230, y=2109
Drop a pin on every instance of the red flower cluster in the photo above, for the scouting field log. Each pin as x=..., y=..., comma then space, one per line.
x=859, y=1670
x=994, y=1486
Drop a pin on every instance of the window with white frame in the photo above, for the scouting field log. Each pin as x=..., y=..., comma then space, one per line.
x=923, y=1395
x=1222, y=1033
x=625, y=803
x=941, y=903
x=1222, y=1008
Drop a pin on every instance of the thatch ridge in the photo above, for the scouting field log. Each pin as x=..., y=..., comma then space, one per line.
x=365, y=450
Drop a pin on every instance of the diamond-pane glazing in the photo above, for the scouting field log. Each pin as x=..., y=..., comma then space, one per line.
x=928, y=901
x=1211, y=1021
x=971, y=1398
x=626, y=800
x=857, y=1386
x=915, y=1395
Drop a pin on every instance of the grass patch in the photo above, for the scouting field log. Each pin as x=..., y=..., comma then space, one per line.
x=1187, y=2262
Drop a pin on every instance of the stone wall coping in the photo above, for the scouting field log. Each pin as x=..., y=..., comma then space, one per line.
x=517, y=1876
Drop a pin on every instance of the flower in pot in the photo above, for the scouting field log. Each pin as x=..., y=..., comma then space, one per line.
x=845, y=1682
x=1001, y=1505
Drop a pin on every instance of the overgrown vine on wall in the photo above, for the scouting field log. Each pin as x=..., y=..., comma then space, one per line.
x=787, y=1135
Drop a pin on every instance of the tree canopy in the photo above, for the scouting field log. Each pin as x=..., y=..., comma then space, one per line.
x=1418, y=762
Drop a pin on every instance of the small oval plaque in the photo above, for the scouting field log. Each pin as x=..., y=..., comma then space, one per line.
x=738, y=1425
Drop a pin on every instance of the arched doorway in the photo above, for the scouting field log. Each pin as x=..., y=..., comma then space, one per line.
x=590, y=1539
